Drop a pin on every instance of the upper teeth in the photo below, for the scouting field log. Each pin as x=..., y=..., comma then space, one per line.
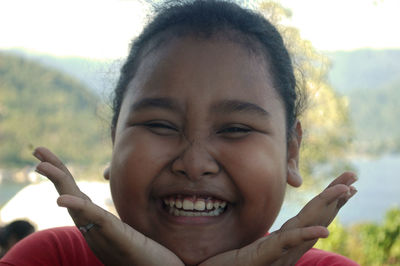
x=194, y=203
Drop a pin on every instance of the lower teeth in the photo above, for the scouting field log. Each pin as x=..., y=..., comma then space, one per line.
x=177, y=212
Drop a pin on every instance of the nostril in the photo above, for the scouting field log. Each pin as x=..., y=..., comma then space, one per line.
x=194, y=163
x=208, y=173
x=182, y=172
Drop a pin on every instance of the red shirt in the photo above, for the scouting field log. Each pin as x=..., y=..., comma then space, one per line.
x=66, y=246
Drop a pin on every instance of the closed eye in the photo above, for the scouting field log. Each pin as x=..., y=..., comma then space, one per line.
x=160, y=127
x=234, y=131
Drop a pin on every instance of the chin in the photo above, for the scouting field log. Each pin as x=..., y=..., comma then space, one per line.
x=195, y=256
x=194, y=250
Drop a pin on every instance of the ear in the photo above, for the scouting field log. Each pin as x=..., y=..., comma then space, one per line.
x=113, y=134
x=293, y=174
x=106, y=173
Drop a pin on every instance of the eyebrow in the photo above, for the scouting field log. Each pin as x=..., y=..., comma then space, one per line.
x=149, y=103
x=229, y=106
x=226, y=106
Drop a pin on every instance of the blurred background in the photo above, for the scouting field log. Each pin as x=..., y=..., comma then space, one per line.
x=59, y=61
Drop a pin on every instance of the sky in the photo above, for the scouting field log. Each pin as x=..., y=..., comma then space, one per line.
x=103, y=29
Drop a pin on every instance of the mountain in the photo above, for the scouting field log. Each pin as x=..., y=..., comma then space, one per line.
x=369, y=78
x=98, y=75
x=375, y=114
x=371, y=81
x=363, y=69
x=40, y=106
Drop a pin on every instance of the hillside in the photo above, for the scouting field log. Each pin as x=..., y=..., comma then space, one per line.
x=40, y=106
x=98, y=75
x=363, y=69
x=367, y=77
x=371, y=81
x=375, y=115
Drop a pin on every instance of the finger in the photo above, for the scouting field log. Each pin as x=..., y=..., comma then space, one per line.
x=329, y=195
x=347, y=178
x=343, y=201
x=322, y=209
x=268, y=249
x=45, y=155
x=63, y=182
x=52, y=167
x=319, y=205
x=279, y=243
x=106, y=226
x=353, y=191
x=113, y=241
x=105, y=232
x=84, y=211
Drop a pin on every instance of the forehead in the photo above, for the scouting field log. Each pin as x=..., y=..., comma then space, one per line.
x=184, y=63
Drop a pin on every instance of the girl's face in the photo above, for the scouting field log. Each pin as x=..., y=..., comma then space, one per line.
x=200, y=155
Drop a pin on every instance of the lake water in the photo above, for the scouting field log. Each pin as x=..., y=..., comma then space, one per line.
x=8, y=190
x=378, y=190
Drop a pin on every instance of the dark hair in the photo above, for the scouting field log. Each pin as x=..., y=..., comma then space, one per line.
x=204, y=18
x=19, y=229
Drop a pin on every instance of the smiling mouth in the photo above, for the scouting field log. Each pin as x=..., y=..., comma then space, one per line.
x=179, y=205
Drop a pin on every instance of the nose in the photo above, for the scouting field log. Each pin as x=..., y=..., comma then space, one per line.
x=195, y=162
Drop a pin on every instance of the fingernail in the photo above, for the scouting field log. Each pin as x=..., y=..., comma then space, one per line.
x=37, y=155
x=353, y=190
x=351, y=181
x=345, y=194
x=60, y=202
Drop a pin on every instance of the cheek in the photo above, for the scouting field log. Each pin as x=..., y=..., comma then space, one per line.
x=255, y=164
x=259, y=172
x=138, y=159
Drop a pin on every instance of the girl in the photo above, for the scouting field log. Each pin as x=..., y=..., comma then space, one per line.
x=205, y=138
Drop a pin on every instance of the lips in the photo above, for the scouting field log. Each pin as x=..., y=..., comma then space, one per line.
x=183, y=205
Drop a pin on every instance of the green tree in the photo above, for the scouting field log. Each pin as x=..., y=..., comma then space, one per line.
x=43, y=107
x=367, y=243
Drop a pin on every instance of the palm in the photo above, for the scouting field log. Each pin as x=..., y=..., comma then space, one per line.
x=297, y=235
x=113, y=242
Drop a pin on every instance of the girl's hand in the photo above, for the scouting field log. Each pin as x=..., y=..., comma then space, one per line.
x=286, y=245
x=113, y=242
